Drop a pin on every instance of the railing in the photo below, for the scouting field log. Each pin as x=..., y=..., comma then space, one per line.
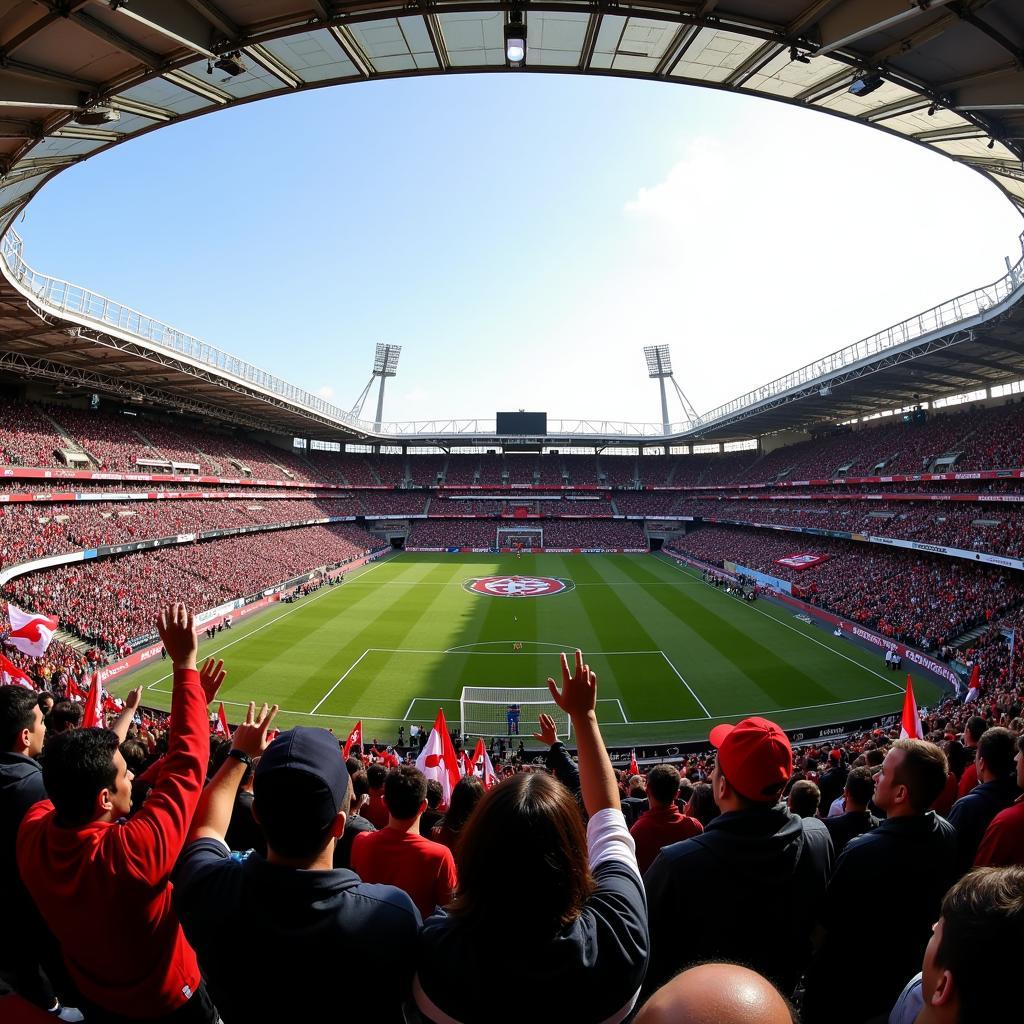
x=945, y=315
x=63, y=297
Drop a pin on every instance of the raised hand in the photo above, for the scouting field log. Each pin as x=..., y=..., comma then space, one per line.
x=177, y=630
x=547, y=732
x=578, y=696
x=134, y=698
x=211, y=675
x=251, y=736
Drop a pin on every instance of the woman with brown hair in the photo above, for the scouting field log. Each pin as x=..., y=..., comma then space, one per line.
x=543, y=904
x=468, y=792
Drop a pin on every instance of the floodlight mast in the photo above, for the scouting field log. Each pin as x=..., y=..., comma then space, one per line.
x=385, y=364
x=659, y=365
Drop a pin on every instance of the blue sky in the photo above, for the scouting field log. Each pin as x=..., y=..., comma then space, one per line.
x=522, y=237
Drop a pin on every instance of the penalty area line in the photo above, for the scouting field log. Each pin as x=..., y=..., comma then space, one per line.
x=339, y=681
x=686, y=684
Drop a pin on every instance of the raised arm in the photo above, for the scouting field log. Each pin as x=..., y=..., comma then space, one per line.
x=578, y=698
x=124, y=720
x=213, y=815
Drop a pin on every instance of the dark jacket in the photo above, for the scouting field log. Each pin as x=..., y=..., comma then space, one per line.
x=972, y=814
x=831, y=785
x=848, y=826
x=21, y=786
x=560, y=762
x=901, y=869
x=748, y=890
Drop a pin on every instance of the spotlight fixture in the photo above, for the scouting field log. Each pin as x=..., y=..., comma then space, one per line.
x=798, y=57
x=864, y=85
x=98, y=113
x=932, y=109
x=991, y=143
x=515, y=41
x=230, y=63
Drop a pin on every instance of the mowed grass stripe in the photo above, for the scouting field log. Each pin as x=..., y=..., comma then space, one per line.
x=753, y=649
x=646, y=683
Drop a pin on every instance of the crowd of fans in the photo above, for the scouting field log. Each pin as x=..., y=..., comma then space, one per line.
x=558, y=533
x=110, y=602
x=742, y=884
x=923, y=600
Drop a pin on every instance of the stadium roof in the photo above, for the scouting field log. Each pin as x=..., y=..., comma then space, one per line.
x=79, y=77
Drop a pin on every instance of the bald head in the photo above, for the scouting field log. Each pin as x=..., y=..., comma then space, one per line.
x=716, y=994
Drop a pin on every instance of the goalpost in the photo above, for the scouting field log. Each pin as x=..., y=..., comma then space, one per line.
x=508, y=711
x=515, y=536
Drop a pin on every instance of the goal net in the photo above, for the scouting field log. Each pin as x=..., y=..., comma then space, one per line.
x=508, y=711
x=520, y=537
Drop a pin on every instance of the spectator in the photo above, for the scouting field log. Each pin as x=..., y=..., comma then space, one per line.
x=431, y=816
x=355, y=822
x=833, y=779
x=751, y=884
x=804, y=798
x=24, y=940
x=996, y=791
x=46, y=702
x=717, y=994
x=398, y=854
x=576, y=917
x=634, y=802
x=856, y=818
x=663, y=824
x=701, y=804
x=969, y=967
x=66, y=714
x=79, y=860
x=906, y=864
x=465, y=796
x=244, y=832
x=303, y=918
x=976, y=725
x=1003, y=842
x=376, y=810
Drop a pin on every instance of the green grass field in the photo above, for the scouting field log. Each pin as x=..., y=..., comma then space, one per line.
x=403, y=636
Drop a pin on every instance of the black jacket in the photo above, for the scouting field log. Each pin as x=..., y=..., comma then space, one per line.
x=848, y=826
x=901, y=870
x=748, y=890
x=972, y=814
x=21, y=786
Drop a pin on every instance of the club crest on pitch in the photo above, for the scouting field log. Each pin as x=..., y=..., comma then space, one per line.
x=518, y=586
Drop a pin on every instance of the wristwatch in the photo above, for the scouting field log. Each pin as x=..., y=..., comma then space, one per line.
x=240, y=755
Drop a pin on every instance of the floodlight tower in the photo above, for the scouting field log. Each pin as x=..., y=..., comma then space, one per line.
x=385, y=364
x=659, y=365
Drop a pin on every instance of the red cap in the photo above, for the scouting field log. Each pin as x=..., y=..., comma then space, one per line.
x=756, y=758
x=836, y=755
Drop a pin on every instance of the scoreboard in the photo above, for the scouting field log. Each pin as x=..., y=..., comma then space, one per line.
x=529, y=424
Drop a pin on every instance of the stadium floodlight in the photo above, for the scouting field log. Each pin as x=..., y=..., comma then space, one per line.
x=659, y=367
x=659, y=360
x=864, y=85
x=515, y=40
x=98, y=113
x=385, y=362
x=230, y=63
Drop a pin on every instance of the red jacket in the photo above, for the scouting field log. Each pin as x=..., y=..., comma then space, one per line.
x=655, y=829
x=104, y=888
x=1003, y=842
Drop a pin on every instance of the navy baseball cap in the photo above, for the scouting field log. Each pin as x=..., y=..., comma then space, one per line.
x=301, y=780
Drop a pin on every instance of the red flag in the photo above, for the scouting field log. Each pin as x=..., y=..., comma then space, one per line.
x=438, y=759
x=634, y=768
x=11, y=675
x=468, y=767
x=74, y=690
x=355, y=737
x=31, y=632
x=482, y=764
x=222, y=729
x=910, y=726
x=93, y=718
x=974, y=686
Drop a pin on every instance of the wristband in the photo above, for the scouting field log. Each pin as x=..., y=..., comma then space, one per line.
x=240, y=755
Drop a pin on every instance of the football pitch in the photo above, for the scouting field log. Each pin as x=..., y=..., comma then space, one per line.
x=674, y=656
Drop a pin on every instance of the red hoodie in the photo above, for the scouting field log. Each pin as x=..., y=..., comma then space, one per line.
x=104, y=888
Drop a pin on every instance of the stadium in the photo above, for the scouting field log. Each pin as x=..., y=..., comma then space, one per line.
x=839, y=551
